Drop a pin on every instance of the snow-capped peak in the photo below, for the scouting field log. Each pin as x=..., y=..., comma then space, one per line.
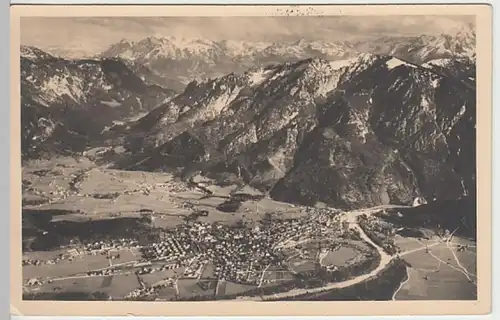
x=33, y=53
x=339, y=64
x=257, y=76
x=395, y=62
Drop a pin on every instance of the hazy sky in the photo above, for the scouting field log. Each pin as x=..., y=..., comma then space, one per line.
x=87, y=35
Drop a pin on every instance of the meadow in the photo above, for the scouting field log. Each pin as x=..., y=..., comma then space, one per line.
x=437, y=275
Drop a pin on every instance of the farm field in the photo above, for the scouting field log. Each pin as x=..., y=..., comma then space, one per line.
x=230, y=288
x=117, y=286
x=277, y=275
x=208, y=271
x=410, y=243
x=43, y=255
x=406, y=244
x=66, y=268
x=339, y=257
x=124, y=255
x=167, y=293
x=438, y=276
x=100, y=191
x=299, y=265
x=81, y=283
x=191, y=287
x=152, y=278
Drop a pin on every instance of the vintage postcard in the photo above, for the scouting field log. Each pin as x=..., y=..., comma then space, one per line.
x=251, y=160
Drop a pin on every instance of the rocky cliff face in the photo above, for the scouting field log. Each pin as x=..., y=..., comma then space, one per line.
x=73, y=101
x=351, y=133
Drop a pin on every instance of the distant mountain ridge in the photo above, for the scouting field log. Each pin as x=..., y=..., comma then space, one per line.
x=187, y=59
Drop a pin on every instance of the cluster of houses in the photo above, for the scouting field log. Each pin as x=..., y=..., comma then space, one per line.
x=59, y=193
x=169, y=248
x=104, y=272
x=382, y=233
x=238, y=253
x=114, y=244
x=195, y=270
x=69, y=255
x=149, y=269
x=31, y=262
x=462, y=247
x=32, y=282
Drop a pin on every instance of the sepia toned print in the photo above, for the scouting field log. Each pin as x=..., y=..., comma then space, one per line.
x=282, y=155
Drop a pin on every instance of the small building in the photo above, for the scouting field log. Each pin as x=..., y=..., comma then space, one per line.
x=345, y=226
x=33, y=282
x=73, y=253
x=418, y=201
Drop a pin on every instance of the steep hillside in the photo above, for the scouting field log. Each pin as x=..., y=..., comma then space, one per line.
x=68, y=102
x=363, y=131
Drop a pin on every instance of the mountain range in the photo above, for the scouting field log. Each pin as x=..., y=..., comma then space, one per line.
x=74, y=100
x=178, y=61
x=365, y=131
x=310, y=123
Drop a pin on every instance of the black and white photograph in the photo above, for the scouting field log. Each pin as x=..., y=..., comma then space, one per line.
x=254, y=158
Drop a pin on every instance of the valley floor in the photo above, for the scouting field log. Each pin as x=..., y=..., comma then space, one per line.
x=441, y=273
x=95, y=233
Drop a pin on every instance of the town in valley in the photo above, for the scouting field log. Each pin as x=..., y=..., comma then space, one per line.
x=183, y=159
